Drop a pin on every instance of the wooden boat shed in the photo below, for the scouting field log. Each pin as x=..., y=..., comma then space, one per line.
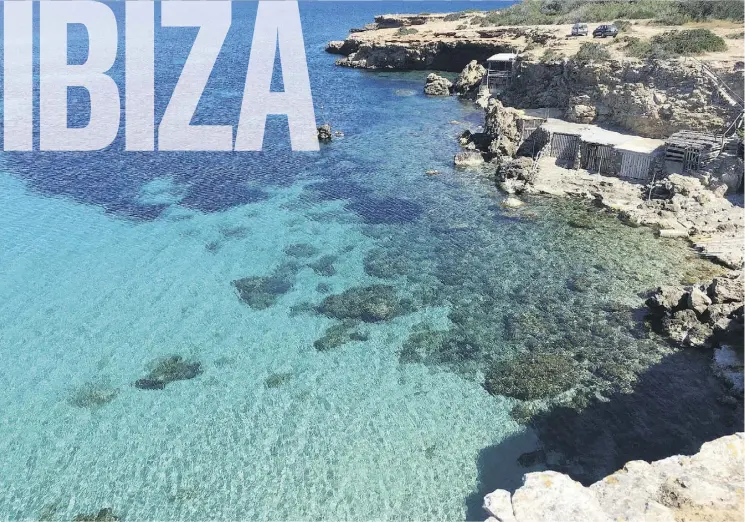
x=584, y=146
x=499, y=69
x=686, y=151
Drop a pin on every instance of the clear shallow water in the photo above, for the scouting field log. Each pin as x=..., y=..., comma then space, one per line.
x=111, y=260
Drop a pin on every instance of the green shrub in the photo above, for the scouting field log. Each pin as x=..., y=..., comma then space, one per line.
x=403, y=31
x=675, y=43
x=452, y=17
x=645, y=49
x=672, y=17
x=549, y=56
x=592, y=52
x=690, y=41
x=675, y=12
x=736, y=36
x=622, y=25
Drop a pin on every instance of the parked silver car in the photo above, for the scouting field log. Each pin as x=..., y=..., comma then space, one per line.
x=579, y=29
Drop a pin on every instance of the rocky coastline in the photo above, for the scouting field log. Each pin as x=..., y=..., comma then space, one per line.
x=650, y=98
x=706, y=486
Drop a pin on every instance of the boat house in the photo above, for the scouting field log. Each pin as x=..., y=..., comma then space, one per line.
x=600, y=151
x=687, y=151
x=499, y=68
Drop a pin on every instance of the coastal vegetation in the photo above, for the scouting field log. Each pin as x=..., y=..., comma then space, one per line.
x=546, y=12
x=592, y=52
x=672, y=44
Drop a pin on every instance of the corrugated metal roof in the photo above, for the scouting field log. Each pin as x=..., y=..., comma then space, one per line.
x=502, y=57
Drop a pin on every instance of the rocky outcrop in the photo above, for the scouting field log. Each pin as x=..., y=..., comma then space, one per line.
x=514, y=176
x=500, y=123
x=707, y=486
x=702, y=315
x=441, y=55
x=468, y=158
x=324, y=133
x=652, y=98
x=392, y=21
x=437, y=85
x=343, y=47
x=469, y=79
x=676, y=206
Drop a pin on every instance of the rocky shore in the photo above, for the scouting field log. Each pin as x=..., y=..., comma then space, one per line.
x=707, y=486
x=651, y=99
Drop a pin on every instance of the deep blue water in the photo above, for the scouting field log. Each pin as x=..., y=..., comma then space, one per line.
x=114, y=259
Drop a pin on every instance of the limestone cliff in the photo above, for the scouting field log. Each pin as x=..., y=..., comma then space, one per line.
x=705, y=487
x=651, y=98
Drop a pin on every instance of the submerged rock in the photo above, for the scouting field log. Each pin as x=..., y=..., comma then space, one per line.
x=278, y=379
x=165, y=370
x=386, y=263
x=103, y=515
x=92, y=395
x=263, y=292
x=301, y=250
x=437, y=85
x=324, y=266
x=428, y=346
x=532, y=376
x=370, y=304
x=728, y=365
x=339, y=334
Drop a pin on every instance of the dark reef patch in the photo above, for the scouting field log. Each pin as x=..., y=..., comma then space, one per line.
x=263, y=292
x=165, y=370
x=532, y=376
x=103, y=515
x=386, y=211
x=301, y=250
x=92, y=394
x=454, y=348
x=336, y=190
x=339, y=334
x=386, y=263
x=369, y=303
x=235, y=232
x=275, y=380
x=217, y=196
x=324, y=266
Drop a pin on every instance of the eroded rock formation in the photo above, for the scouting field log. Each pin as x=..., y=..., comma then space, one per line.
x=652, y=98
x=469, y=79
x=707, y=486
x=702, y=315
x=437, y=85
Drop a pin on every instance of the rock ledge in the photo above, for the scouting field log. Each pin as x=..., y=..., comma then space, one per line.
x=707, y=486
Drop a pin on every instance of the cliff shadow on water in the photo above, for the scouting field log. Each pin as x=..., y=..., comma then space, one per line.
x=675, y=407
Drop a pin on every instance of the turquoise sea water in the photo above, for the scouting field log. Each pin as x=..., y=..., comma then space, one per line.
x=111, y=260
